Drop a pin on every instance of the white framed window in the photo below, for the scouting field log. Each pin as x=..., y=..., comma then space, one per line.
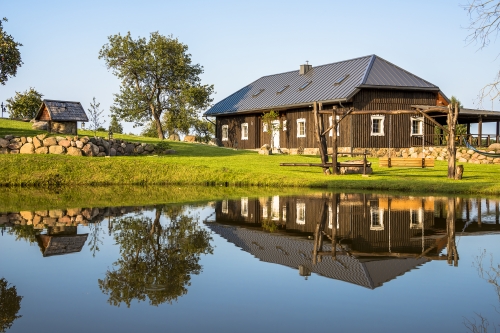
x=301, y=213
x=330, y=216
x=225, y=207
x=244, y=207
x=264, y=127
x=275, y=208
x=377, y=125
x=284, y=125
x=330, y=121
x=301, y=128
x=244, y=131
x=376, y=218
x=417, y=126
x=416, y=218
x=225, y=132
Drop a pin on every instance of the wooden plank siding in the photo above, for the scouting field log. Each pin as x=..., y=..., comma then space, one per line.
x=234, y=125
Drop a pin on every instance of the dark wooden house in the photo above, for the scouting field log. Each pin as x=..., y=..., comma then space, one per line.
x=61, y=116
x=365, y=84
x=60, y=241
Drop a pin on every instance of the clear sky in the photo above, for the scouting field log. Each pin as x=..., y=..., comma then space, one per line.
x=239, y=41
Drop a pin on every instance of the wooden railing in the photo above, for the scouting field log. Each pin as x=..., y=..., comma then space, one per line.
x=442, y=140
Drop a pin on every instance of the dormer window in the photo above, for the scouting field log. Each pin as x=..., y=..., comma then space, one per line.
x=258, y=93
x=304, y=86
x=282, y=89
x=340, y=80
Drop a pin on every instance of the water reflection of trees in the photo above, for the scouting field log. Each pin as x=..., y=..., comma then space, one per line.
x=10, y=304
x=157, y=259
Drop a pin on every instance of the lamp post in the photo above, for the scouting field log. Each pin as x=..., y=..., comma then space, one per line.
x=110, y=136
x=3, y=109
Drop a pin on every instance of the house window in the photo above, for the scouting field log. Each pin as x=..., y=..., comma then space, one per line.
x=301, y=213
x=416, y=218
x=244, y=207
x=275, y=208
x=264, y=127
x=330, y=121
x=225, y=208
x=377, y=125
x=225, y=132
x=244, y=131
x=376, y=218
x=301, y=128
x=284, y=125
x=330, y=216
x=417, y=126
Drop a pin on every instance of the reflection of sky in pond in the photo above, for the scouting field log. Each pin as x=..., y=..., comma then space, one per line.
x=237, y=292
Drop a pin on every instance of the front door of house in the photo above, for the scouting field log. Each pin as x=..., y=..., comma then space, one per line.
x=276, y=134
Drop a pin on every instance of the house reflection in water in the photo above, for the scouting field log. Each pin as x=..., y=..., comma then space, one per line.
x=61, y=240
x=358, y=238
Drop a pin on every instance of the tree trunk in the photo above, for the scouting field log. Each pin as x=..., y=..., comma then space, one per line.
x=320, y=138
x=159, y=129
x=452, y=149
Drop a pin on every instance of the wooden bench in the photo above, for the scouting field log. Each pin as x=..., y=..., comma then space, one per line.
x=405, y=162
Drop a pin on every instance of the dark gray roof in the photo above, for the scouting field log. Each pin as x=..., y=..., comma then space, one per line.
x=63, y=110
x=467, y=113
x=364, y=72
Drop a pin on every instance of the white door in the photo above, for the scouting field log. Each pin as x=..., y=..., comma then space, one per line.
x=276, y=134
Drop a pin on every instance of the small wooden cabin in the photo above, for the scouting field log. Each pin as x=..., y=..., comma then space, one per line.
x=365, y=84
x=61, y=116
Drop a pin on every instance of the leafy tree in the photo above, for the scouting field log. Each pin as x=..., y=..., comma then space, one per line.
x=269, y=125
x=204, y=130
x=157, y=260
x=115, y=126
x=484, y=27
x=10, y=304
x=95, y=118
x=10, y=57
x=24, y=105
x=159, y=82
x=149, y=130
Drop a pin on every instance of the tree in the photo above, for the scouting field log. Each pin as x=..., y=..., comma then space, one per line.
x=24, y=105
x=149, y=130
x=95, y=119
x=10, y=57
x=159, y=81
x=115, y=126
x=484, y=27
x=270, y=125
x=204, y=130
x=452, y=116
x=157, y=259
x=10, y=304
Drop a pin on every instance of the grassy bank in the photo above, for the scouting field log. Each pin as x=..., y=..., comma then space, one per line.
x=197, y=164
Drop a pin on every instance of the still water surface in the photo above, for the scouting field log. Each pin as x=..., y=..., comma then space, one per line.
x=343, y=262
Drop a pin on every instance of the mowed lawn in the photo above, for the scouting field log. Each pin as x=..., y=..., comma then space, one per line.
x=198, y=164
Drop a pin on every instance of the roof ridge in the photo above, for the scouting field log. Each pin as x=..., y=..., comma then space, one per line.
x=368, y=69
x=58, y=100
x=404, y=70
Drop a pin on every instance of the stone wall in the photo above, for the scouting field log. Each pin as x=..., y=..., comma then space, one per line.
x=464, y=155
x=76, y=146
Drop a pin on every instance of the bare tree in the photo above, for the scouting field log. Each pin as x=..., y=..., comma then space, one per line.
x=484, y=28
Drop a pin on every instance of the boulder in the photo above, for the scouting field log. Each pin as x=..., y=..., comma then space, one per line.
x=50, y=141
x=14, y=151
x=40, y=125
x=56, y=213
x=79, y=144
x=90, y=149
x=85, y=140
x=60, y=138
x=112, y=152
x=4, y=143
x=29, y=139
x=494, y=146
x=106, y=145
x=57, y=150
x=139, y=149
x=74, y=151
x=24, y=140
x=174, y=137
x=41, y=136
x=170, y=152
x=4, y=150
x=65, y=143
x=9, y=137
x=101, y=154
x=101, y=149
x=129, y=149
x=27, y=148
x=265, y=147
x=15, y=145
x=215, y=142
x=149, y=148
x=189, y=138
x=42, y=150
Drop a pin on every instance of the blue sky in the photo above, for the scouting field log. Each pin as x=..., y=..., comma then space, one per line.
x=237, y=42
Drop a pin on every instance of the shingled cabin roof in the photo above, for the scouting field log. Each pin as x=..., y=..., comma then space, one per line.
x=63, y=110
x=334, y=82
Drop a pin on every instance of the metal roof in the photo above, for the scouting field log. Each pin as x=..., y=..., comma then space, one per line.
x=63, y=110
x=363, y=72
x=466, y=113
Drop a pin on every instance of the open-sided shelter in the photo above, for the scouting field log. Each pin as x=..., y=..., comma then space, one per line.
x=61, y=116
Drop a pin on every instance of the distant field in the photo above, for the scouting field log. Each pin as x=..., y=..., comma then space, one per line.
x=197, y=164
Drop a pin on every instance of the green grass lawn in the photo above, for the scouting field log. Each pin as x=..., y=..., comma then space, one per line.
x=197, y=164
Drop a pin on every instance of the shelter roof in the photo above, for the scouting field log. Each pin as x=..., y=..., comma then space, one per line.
x=63, y=110
x=333, y=82
x=465, y=113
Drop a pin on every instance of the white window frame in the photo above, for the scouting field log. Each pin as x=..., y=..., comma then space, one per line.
x=301, y=213
x=244, y=134
x=301, y=121
x=244, y=207
x=275, y=208
x=420, y=126
x=416, y=218
x=225, y=130
x=330, y=121
x=330, y=216
x=264, y=127
x=284, y=125
x=381, y=129
x=379, y=212
x=225, y=207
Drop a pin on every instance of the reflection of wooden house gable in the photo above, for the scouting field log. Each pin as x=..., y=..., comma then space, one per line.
x=58, y=245
x=296, y=252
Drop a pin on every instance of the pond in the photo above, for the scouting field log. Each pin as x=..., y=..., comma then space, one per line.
x=327, y=261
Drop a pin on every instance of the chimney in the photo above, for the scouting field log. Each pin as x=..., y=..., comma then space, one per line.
x=305, y=68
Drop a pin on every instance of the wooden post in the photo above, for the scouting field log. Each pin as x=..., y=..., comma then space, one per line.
x=318, y=236
x=334, y=226
x=320, y=138
x=498, y=131
x=497, y=212
x=452, y=253
x=479, y=212
x=334, y=141
x=480, y=132
x=452, y=150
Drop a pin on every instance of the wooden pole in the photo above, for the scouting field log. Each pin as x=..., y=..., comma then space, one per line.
x=480, y=132
x=334, y=226
x=334, y=141
x=453, y=111
x=452, y=252
x=497, y=212
x=320, y=139
x=479, y=213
